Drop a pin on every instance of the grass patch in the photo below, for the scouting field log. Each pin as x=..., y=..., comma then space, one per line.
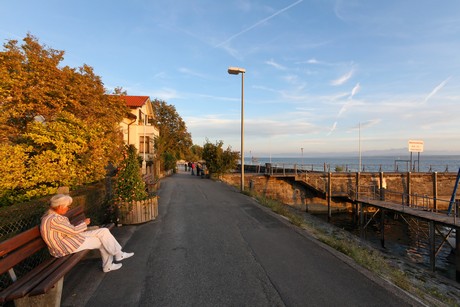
x=362, y=255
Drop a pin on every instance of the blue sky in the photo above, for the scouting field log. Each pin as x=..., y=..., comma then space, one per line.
x=316, y=70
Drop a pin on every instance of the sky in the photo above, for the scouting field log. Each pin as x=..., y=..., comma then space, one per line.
x=322, y=76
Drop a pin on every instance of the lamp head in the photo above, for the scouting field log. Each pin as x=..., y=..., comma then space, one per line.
x=236, y=70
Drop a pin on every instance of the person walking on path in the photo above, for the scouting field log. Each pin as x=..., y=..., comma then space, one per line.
x=193, y=168
x=63, y=238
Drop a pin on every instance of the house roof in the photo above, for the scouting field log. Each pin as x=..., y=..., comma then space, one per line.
x=135, y=101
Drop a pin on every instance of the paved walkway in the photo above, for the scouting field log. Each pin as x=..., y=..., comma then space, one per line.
x=213, y=246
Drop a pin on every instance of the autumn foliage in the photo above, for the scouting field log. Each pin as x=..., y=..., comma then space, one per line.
x=57, y=125
x=174, y=141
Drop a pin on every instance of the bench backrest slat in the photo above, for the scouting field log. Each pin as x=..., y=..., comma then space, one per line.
x=20, y=254
x=27, y=243
x=19, y=240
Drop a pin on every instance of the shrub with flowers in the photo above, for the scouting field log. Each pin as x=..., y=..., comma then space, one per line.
x=129, y=185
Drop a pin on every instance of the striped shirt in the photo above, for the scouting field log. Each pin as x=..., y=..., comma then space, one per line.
x=61, y=237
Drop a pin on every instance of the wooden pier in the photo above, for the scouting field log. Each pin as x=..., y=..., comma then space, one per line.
x=438, y=218
x=450, y=225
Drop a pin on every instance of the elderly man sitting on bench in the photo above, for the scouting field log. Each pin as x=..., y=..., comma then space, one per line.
x=63, y=238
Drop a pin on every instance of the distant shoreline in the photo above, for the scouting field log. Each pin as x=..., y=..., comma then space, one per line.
x=351, y=155
x=427, y=163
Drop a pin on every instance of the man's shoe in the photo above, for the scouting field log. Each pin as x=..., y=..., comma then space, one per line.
x=123, y=256
x=113, y=267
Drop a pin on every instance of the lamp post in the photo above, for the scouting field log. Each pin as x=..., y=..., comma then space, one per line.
x=236, y=71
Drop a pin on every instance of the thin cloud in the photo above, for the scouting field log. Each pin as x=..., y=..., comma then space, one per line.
x=343, y=78
x=290, y=78
x=191, y=73
x=350, y=102
x=355, y=90
x=314, y=61
x=346, y=105
x=258, y=23
x=436, y=89
x=276, y=65
x=165, y=94
x=160, y=75
x=366, y=124
x=332, y=128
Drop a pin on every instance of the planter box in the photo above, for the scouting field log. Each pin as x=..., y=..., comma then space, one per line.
x=141, y=212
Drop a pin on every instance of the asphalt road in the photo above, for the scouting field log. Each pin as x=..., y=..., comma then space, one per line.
x=213, y=246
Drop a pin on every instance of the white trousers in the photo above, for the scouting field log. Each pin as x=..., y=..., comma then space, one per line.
x=103, y=240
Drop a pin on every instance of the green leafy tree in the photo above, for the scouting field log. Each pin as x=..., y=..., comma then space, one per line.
x=58, y=121
x=170, y=161
x=174, y=140
x=129, y=185
x=195, y=154
x=218, y=160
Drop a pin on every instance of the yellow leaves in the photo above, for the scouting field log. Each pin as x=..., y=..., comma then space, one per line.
x=12, y=167
x=78, y=135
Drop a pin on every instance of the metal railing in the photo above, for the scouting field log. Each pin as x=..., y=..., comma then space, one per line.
x=294, y=168
x=413, y=200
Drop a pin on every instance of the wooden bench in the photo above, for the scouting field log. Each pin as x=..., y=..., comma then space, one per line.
x=47, y=275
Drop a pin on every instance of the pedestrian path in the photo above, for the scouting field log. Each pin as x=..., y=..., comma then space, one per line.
x=213, y=246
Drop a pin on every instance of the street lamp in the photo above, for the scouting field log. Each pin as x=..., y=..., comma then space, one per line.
x=236, y=71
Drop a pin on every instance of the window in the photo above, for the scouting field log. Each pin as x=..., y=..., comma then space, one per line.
x=140, y=118
x=147, y=144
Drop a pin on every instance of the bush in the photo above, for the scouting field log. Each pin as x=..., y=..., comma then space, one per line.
x=129, y=185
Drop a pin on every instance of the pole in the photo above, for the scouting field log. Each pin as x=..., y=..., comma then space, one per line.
x=144, y=163
x=242, y=131
x=302, y=156
x=418, y=162
x=359, y=147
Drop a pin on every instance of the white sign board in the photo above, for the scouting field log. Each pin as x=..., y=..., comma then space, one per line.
x=415, y=146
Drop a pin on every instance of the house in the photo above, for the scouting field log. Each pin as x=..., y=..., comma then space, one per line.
x=139, y=130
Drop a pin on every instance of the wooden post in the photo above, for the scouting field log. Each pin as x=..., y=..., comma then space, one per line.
x=432, y=246
x=329, y=195
x=357, y=192
x=435, y=191
x=409, y=190
x=382, y=228
x=357, y=185
x=457, y=253
x=382, y=186
x=361, y=220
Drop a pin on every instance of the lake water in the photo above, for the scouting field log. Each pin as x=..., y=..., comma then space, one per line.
x=427, y=163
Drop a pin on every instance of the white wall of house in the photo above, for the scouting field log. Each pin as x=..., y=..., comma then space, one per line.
x=135, y=131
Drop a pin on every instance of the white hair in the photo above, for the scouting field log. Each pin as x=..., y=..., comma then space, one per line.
x=60, y=200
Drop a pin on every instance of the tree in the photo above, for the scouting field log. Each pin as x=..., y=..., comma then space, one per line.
x=129, y=185
x=218, y=160
x=174, y=141
x=196, y=153
x=58, y=120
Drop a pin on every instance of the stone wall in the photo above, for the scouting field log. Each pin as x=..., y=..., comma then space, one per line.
x=286, y=190
x=303, y=190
